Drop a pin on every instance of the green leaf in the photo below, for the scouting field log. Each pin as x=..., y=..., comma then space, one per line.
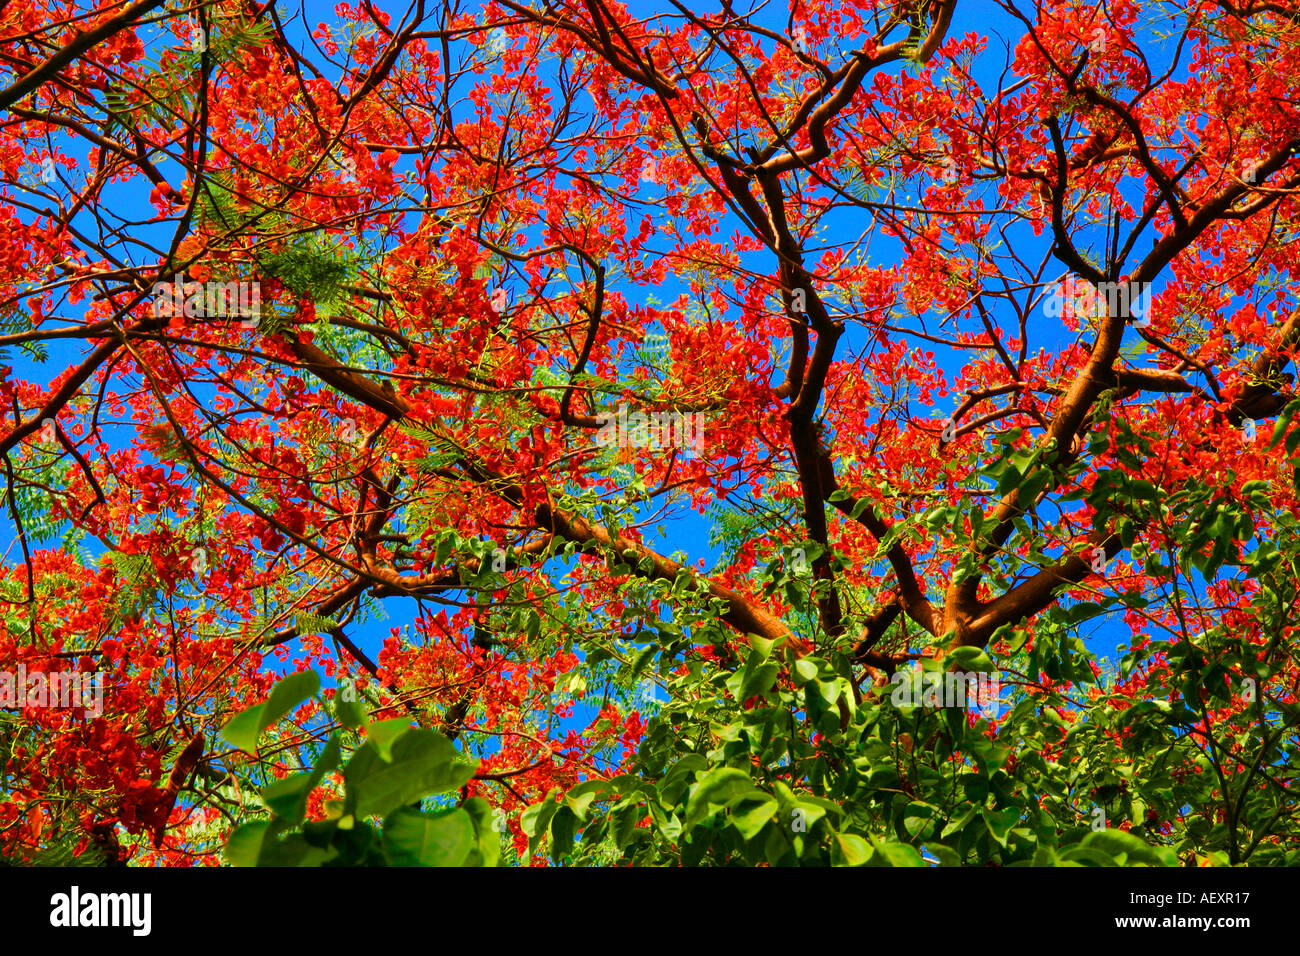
x=1000, y=823
x=349, y=713
x=758, y=680
x=383, y=733
x=289, y=693
x=424, y=762
x=718, y=788
x=853, y=850
x=643, y=658
x=674, y=782
x=537, y=819
x=287, y=797
x=750, y=815
x=487, y=847
x=244, y=729
x=244, y=845
x=761, y=645
x=804, y=670
x=1283, y=422
x=563, y=826
x=946, y=855
x=283, y=797
x=295, y=850
x=306, y=623
x=1124, y=847
x=967, y=658
x=579, y=798
x=889, y=853
x=425, y=839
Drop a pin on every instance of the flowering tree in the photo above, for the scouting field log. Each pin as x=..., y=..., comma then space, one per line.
x=676, y=436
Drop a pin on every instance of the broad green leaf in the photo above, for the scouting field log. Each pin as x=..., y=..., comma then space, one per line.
x=287, y=797
x=426, y=839
x=383, y=733
x=536, y=820
x=853, y=850
x=423, y=763
x=718, y=788
x=750, y=815
x=889, y=853
x=245, y=843
x=285, y=696
x=294, y=850
x=488, y=831
x=1120, y=845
